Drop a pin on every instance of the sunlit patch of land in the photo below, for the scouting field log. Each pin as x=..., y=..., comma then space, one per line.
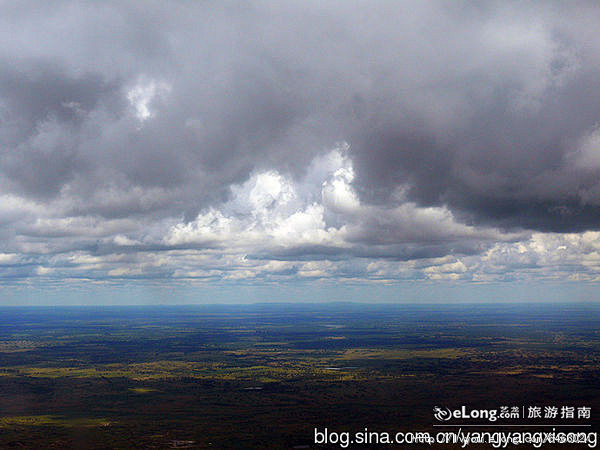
x=49, y=420
x=368, y=353
x=142, y=390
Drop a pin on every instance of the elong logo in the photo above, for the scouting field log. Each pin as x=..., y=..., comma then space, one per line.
x=445, y=414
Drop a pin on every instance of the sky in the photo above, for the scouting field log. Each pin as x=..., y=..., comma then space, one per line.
x=405, y=151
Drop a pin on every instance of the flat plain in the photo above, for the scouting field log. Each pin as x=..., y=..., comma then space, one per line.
x=265, y=375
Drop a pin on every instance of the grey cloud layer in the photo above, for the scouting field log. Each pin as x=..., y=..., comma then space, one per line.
x=120, y=122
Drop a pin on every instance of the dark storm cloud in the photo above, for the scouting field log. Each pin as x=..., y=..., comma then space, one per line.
x=42, y=110
x=478, y=107
x=505, y=167
x=406, y=252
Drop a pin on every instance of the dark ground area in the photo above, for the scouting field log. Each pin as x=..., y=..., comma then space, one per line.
x=264, y=376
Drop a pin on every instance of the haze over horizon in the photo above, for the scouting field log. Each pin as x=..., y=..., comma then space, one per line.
x=183, y=152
